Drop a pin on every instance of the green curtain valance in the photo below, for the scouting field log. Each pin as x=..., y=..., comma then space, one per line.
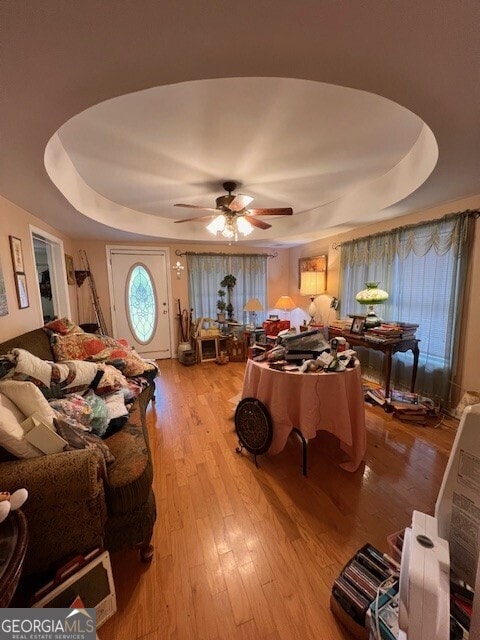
x=441, y=235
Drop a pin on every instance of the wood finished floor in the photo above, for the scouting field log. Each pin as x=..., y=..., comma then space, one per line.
x=250, y=553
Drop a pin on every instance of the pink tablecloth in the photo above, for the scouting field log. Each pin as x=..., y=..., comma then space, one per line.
x=311, y=402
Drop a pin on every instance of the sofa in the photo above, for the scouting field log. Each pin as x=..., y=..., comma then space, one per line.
x=76, y=501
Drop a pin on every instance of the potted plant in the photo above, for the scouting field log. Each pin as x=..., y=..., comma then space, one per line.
x=229, y=281
x=221, y=305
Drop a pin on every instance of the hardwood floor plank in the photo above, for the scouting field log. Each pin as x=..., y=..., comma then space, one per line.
x=243, y=552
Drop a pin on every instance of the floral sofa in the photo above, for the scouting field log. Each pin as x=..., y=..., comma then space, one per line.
x=96, y=491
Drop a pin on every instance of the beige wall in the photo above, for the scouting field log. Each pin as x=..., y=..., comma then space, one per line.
x=278, y=274
x=15, y=222
x=282, y=276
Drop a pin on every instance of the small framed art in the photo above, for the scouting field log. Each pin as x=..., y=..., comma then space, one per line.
x=17, y=254
x=358, y=324
x=22, y=292
x=70, y=269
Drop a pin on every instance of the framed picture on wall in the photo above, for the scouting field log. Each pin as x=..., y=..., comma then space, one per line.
x=318, y=263
x=17, y=254
x=70, y=269
x=22, y=292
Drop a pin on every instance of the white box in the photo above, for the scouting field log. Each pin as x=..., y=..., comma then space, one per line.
x=39, y=433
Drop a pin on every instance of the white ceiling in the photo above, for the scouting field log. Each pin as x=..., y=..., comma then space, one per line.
x=137, y=105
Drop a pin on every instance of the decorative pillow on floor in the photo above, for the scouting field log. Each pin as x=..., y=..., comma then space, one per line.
x=54, y=380
x=79, y=439
x=12, y=436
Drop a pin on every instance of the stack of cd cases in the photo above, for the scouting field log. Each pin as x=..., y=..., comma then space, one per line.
x=356, y=586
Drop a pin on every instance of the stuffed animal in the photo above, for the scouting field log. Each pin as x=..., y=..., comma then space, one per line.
x=11, y=501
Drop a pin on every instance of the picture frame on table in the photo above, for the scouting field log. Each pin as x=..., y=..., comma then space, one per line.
x=22, y=291
x=17, y=254
x=317, y=263
x=70, y=269
x=358, y=325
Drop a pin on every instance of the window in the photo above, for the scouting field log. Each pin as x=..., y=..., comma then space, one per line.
x=206, y=271
x=142, y=306
x=422, y=267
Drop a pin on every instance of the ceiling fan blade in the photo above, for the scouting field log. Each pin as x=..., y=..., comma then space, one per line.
x=210, y=217
x=284, y=211
x=258, y=223
x=239, y=202
x=196, y=206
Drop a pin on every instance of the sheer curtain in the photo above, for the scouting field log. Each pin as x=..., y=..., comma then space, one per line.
x=423, y=268
x=207, y=270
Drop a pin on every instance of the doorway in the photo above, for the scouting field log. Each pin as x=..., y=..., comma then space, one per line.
x=51, y=276
x=140, y=294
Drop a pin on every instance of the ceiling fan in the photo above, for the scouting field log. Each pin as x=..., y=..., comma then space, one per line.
x=231, y=213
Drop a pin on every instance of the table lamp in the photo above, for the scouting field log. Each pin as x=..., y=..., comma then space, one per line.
x=285, y=303
x=253, y=305
x=311, y=284
x=372, y=295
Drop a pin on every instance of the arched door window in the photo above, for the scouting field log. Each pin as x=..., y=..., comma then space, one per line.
x=141, y=303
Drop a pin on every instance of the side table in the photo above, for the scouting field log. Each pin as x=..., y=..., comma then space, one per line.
x=13, y=547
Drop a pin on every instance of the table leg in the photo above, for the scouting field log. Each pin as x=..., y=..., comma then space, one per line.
x=416, y=354
x=304, y=450
x=388, y=370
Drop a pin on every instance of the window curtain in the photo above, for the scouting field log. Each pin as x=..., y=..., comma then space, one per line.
x=423, y=268
x=205, y=273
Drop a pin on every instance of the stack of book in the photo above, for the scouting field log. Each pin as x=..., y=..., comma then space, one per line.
x=374, y=396
x=391, y=332
x=408, y=408
x=340, y=325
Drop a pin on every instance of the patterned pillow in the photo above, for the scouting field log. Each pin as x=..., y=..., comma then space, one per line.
x=63, y=326
x=91, y=346
x=54, y=380
x=85, y=346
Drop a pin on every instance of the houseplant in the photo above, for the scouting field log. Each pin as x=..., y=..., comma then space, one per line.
x=229, y=281
x=221, y=305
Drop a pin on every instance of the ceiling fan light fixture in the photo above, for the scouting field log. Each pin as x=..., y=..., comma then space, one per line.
x=217, y=225
x=244, y=226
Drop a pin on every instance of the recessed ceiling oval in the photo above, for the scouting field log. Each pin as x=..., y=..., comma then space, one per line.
x=334, y=154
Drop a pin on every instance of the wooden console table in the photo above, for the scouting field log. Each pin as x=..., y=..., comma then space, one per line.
x=387, y=348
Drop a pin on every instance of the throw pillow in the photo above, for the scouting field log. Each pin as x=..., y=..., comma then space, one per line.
x=12, y=436
x=84, y=346
x=28, y=398
x=79, y=439
x=62, y=326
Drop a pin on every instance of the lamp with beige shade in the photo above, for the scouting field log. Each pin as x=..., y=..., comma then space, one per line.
x=312, y=283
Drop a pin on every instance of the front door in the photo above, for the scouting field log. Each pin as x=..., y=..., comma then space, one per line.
x=140, y=309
